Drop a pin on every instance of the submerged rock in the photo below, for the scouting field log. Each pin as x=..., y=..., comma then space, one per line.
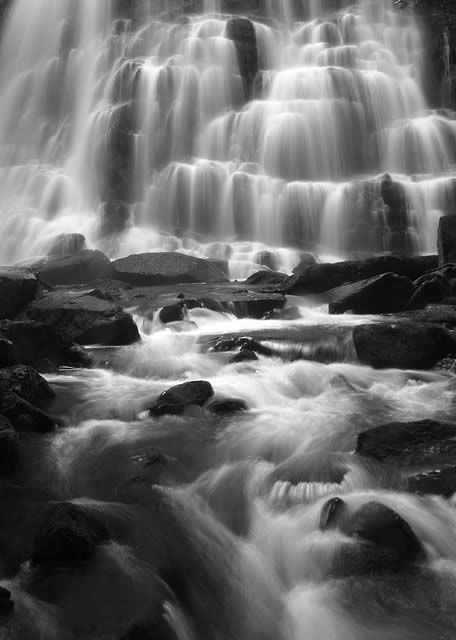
x=422, y=443
x=227, y=406
x=387, y=293
x=174, y=401
x=402, y=345
x=69, y=534
x=245, y=355
x=81, y=268
x=382, y=541
x=38, y=344
x=85, y=319
x=148, y=269
x=318, y=278
x=67, y=244
x=18, y=287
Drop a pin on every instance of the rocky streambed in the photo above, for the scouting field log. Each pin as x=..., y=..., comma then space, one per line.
x=183, y=456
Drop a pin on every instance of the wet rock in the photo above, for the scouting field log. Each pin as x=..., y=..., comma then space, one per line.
x=8, y=353
x=394, y=196
x=245, y=355
x=447, y=239
x=26, y=383
x=6, y=602
x=211, y=304
x=148, y=269
x=441, y=482
x=18, y=287
x=41, y=345
x=443, y=314
x=266, y=278
x=174, y=401
x=402, y=345
x=68, y=534
x=244, y=343
x=318, y=278
x=172, y=313
x=81, y=268
x=387, y=293
x=421, y=443
x=242, y=32
x=306, y=259
x=227, y=406
x=67, y=244
x=9, y=447
x=24, y=416
x=382, y=540
x=158, y=630
x=85, y=319
x=432, y=291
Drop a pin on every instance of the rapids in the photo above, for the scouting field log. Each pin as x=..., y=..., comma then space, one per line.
x=247, y=492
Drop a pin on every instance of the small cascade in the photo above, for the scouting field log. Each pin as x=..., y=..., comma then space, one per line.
x=166, y=127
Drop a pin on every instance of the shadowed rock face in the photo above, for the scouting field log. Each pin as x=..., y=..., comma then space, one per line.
x=67, y=535
x=242, y=32
x=387, y=293
x=447, y=239
x=80, y=268
x=18, y=287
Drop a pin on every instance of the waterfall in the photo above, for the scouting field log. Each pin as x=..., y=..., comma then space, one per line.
x=152, y=130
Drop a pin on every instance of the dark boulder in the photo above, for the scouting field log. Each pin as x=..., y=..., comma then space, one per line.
x=9, y=447
x=148, y=269
x=266, y=278
x=442, y=314
x=394, y=196
x=81, y=268
x=382, y=541
x=402, y=345
x=172, y=313
x=67, y=244
x=431, y=291
x=211, y=304
x=318, y=278
x=174, y=401
x=227, y=406
x=422, y=443
x=85, y=319
x=387, y=293
x=68, y=534
x=244, y=343
x=18, y=287
x=8, y=352
x=27, y=383
x=21, y=388
x=306, y=259
x=38, y=344
x=242, y=32
x=245, y=355
x=6, y=602
x=447, y=239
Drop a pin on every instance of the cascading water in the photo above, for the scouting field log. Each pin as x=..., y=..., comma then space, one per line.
x=144, y=128
x=140, y=133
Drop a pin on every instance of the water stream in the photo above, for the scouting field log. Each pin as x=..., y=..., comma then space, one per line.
x=231, y=504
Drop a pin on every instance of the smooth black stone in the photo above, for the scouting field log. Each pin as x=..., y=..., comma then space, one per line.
x=174, y=401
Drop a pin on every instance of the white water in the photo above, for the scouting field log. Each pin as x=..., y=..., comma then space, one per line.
x=295, y=168
x=342, y=104
x=248, y=493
